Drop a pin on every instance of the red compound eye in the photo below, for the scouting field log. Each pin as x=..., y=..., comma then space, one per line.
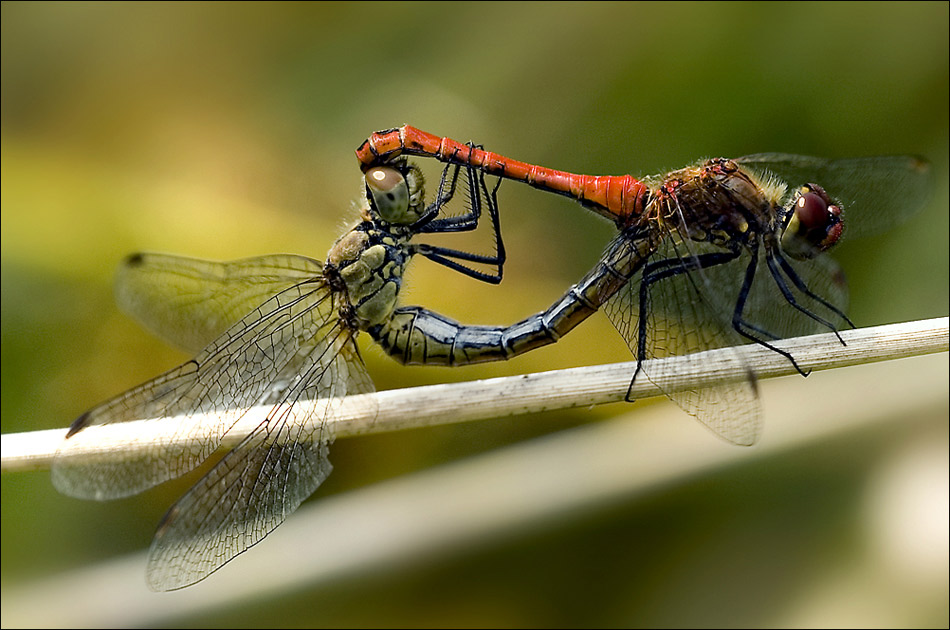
x=812, y=211
x=815, y=224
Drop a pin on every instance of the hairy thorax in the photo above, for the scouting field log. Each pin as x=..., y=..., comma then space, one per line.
x=715, y=202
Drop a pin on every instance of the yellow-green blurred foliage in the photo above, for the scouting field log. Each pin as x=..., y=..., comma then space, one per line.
x=227, y=130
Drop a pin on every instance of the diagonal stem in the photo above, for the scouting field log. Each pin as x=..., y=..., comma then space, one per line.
x=508, y=396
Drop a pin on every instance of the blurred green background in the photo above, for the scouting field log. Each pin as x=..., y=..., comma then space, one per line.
x=227, y=130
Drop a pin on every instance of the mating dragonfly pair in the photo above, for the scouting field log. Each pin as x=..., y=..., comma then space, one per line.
x=709, y=256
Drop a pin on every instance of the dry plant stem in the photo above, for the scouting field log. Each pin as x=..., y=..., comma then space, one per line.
x=501, y=397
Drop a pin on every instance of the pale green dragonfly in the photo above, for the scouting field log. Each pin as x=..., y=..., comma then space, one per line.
x=269, y=331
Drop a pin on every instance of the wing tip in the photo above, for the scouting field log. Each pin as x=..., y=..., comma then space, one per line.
x=134, y=260
x=78, y=425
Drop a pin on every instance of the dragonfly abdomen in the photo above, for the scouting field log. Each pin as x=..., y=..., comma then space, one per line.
x=620, y=198
x=416, y=336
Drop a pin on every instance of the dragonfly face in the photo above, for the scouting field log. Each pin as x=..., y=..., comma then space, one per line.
x=396, y=193
x=367, y=264
x=814, y=223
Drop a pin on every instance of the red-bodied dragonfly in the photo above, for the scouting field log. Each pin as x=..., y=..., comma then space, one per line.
x=685, y=272
x=275, y=330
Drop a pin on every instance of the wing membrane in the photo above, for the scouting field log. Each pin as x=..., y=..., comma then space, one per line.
x=263, y=479
x=682, y=321
x=876, y=193
x=189, y=302
x=247, y=364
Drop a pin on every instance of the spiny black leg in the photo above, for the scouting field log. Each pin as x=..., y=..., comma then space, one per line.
x=461, y=223
x=656, y=272
x=738, y=323
x=790, y=298
x=444, y=255
x=801, y=286
x=442, y=198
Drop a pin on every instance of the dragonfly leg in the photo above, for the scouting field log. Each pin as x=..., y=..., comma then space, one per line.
x=443, y=256
x=479, y=194
x=743, y=328
x=653, y=273
x=447, y=184
x=801, y=286
x=790, y=297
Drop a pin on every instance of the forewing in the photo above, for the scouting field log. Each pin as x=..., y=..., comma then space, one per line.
x=266, y=477
x=205, y=396
x=876, y=193
x=189, y=302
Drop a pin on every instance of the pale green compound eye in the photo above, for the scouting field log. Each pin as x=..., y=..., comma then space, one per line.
x=390, y=193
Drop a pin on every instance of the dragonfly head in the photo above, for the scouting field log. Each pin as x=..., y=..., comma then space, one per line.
x=813, y=225
x=395, y=192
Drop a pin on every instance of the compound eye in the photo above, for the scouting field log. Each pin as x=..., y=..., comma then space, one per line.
x=812, y=211
x=389, y=193
x=815, y=224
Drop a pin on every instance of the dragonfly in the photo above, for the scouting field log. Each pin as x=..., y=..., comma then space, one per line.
x=269, y=332
x=718, y=254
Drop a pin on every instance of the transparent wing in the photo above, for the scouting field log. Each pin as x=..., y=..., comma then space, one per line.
x=245, y=365
x=767, y=308
x=189, y=302
x=690, y=312
x=876, y=193
x=266, y=477
x=680, y=320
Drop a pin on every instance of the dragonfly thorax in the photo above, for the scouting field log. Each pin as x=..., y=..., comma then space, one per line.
x=368, y=264
x=715, y=202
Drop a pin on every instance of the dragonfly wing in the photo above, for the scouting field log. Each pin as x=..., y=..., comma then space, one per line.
x=876, y=193
x=188, y=302
x=266, y=477
x=204, y=396
x=766, y=306
x=681, y=321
